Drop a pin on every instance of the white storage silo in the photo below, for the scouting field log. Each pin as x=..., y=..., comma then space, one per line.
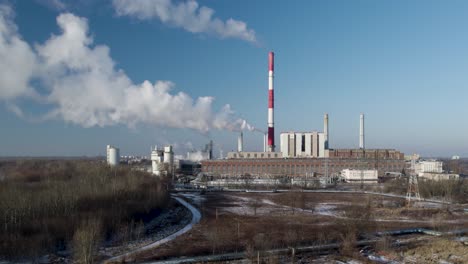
x=113, y=155
x=168, y=155
x=156, y=161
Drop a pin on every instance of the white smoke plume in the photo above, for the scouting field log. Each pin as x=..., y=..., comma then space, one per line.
x=80, y=83
x=188, y=15
x=17, y=60
x=246, y=126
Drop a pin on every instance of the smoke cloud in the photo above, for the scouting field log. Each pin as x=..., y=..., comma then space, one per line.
x=81, y=85
x=187, y=15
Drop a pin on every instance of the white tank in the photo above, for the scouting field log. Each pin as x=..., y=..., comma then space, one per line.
x=156, y=160
x=168, y=155
x=113, y=156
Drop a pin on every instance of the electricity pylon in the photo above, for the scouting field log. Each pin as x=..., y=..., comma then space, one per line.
x=413, y=189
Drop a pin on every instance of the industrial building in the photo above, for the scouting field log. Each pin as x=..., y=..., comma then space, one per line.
x=383, y=161
x=432, y=170
x=302, y=153
x=359, y=175
x=302, y=144
x=162, y=160
x=428, y=166
x=113, y=155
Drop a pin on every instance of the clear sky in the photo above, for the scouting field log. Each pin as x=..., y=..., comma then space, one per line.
x=72, y=73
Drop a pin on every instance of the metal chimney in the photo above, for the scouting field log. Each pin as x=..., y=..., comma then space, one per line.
x=325, y=130
x=240, y=143
x=361, y=133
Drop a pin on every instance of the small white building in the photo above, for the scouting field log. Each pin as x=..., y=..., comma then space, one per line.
x=360, y=175
x=428, y=166
x=438, y=176
x=113, y=155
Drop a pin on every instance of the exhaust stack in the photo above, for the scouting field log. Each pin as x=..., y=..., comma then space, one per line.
x=361, y=132
x=325, y=130
x=240, y=143
x=271, y=125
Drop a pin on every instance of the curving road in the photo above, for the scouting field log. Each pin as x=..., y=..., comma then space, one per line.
x=196, y=216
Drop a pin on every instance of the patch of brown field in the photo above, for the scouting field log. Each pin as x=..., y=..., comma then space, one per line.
x=221, y=231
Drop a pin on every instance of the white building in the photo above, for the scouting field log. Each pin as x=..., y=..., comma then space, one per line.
x=161, y=157
x=113, y=155
x=438, y=176
x=303, y=144
x=359, y=175
x=428, y=166
x=157, y=159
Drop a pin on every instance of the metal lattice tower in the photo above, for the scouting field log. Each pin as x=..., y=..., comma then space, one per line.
x=413, y=189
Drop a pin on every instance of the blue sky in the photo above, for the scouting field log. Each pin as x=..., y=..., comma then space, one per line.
x=402, y=63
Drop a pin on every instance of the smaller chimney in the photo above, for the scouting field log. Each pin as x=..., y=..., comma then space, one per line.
x=240, y=143
x=265, y=142
x=361, y=132
x=325, y=130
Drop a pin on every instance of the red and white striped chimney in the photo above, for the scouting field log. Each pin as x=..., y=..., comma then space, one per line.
x=271, y=102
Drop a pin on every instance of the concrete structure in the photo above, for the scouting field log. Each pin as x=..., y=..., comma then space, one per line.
x=113, y=155
x=428, y=166
x=271, y=103
x=361, y=132
x=157, y=159
x=162, y=160
x=168, y=155
x=240, y=143
x=359, y=175
x=325, y=130
x=438, y=176
x=303, y=144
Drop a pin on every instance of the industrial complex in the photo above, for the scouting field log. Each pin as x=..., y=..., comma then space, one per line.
x=303, y=153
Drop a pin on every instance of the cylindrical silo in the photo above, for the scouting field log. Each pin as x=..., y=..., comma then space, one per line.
x=168, y=155
x=114, y=156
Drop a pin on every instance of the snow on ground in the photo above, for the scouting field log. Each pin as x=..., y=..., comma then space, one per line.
x=431, y=205
x=195, y=198
x=326, y=209
x=196, y=216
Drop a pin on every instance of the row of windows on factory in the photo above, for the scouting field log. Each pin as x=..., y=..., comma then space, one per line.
x=294, y=169
x=256, y=155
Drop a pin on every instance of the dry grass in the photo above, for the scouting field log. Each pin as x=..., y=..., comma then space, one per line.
x=438, y=250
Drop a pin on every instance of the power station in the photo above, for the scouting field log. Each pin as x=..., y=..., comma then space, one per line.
x=302, y=153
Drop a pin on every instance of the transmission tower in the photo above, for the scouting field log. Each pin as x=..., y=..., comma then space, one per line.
x=413, y=189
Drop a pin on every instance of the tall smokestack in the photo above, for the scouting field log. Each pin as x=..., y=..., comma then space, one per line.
x=271, y=100
x=325, y=130
x=240, y=143
x=361, y=133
